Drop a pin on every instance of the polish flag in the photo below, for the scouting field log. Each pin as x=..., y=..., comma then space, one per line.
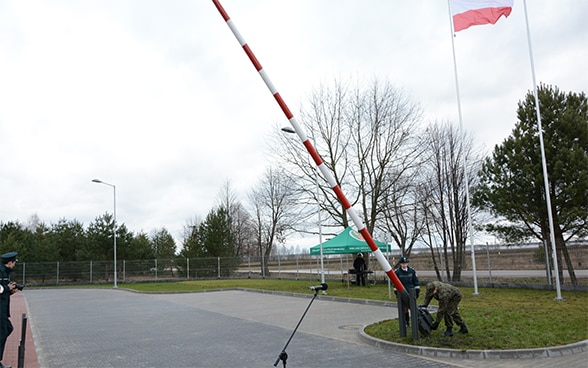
x=468, y=13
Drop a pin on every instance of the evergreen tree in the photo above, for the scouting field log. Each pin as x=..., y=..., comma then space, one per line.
x=215, y=236
x=512, y=182
x=68, y=238
x=141, y=247
x=164, y=245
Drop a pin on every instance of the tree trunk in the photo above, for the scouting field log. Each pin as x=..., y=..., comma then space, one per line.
x=562, y=250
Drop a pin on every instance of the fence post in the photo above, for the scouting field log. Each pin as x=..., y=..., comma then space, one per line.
x=187, y=268
x=91, y=272
x=21, y=346
x=413, y=314
x=218, y=266
x=57, y=281
x=279, y=267
x=401, y=316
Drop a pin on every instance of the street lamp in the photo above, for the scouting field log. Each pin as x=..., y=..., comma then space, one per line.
x=113, y=223
x=290, y=130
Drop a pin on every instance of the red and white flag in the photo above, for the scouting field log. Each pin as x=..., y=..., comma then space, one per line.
x=467, y=13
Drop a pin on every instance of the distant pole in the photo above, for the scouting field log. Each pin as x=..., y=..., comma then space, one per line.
x=113, y=224
x=543, y=162
x=489, y=265
x=465, y=168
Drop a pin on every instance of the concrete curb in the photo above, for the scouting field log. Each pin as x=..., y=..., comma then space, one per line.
x=554, y=351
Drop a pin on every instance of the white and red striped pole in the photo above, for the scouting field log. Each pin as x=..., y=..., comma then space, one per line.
x=313, y=153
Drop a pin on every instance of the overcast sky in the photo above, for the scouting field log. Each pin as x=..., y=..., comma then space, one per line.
x=159, y=99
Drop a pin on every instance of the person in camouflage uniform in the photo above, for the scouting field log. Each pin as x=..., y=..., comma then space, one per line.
x=449, y=297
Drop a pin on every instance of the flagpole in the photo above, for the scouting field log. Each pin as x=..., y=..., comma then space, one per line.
x=465, y=170
x=543, y=161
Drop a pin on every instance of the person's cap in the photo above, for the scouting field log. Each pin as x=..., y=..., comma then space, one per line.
x=359, y=254
x=10, y=256
x=403, y=259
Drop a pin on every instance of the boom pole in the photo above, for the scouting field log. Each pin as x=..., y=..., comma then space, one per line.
x=361, y=228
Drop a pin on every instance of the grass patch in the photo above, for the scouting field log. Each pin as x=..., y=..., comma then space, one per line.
x=498, y=319
x=501, y=319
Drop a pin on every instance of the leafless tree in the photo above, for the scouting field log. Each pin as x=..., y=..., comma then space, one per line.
x=242, y=226
x=403, y=219
x=451, y=161
x=364, y=136
x=274, y=204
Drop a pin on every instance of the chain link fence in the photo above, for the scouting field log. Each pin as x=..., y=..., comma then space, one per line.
x=129, y=271
x=294, y=267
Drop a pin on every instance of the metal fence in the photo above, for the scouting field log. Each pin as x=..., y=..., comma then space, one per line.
x=295, y=267
x=128, y=271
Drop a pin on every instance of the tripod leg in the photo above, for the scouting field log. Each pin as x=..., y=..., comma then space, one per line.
x=283, y=353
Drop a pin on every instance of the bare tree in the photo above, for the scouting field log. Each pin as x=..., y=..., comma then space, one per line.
x=403, y=219
x=444, y=185
x=274, y=203
x=363, y=135
x=242, y=226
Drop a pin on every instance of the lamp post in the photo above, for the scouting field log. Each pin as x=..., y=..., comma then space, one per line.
x=113, y=223
x=290, y=130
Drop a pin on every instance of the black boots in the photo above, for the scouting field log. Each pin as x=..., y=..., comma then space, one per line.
x=462, y=329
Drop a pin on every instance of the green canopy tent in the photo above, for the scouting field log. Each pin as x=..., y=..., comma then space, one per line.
x=348, y=241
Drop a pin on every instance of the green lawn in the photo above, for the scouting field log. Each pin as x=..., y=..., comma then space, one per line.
x=497, y=318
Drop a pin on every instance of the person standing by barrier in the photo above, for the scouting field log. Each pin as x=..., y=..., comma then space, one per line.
x=360, y=269
x=7, y=288
x=449, y=297
x=408, y=277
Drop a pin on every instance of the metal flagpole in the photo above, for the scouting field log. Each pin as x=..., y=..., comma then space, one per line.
x=314, y=155
x=465, y=169
x=543, y=161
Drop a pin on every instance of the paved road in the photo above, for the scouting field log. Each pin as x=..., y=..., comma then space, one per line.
x=117, y=328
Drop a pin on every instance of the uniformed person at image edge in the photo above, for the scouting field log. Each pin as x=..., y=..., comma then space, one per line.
x=7, y=288
x=449, y=297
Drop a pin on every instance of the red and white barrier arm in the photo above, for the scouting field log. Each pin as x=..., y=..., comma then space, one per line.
x=313, y=153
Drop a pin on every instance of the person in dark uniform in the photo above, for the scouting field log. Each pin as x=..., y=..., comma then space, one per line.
x=408, y=277
x=360, y=269
x=7, y=288
x=449, y=297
